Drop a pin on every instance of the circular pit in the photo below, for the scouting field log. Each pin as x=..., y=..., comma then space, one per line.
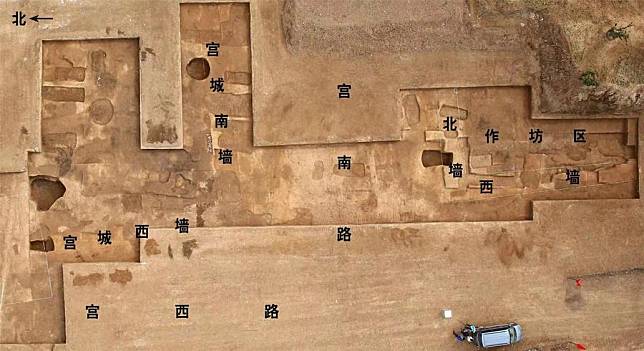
x=198, y=68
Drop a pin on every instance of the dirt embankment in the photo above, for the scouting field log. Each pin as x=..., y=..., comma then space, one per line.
x=569, y=39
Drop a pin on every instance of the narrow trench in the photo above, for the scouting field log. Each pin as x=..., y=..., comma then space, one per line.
x=42, y=245
x=432, y=158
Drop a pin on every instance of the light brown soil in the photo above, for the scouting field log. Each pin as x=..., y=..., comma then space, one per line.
x=493, y=64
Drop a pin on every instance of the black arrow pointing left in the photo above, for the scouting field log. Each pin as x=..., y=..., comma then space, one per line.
x=36, y=18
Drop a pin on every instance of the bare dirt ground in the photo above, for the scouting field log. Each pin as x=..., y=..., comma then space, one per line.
x=384, y=290
x=504, y=65
x=570, y=38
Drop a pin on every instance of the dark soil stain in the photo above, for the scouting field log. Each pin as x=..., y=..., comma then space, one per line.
x=507, y=247
x=45, y=191
x=121, y=276
x=62, y=94
x=131, y=202
x=188, y=246
x=91, y=279
x=161, y=133
x=151, y=247
x=101, y=111
x=46, y=245
x=406, y=237
x=97, y=60
x=198, y=68
x=574, y=300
